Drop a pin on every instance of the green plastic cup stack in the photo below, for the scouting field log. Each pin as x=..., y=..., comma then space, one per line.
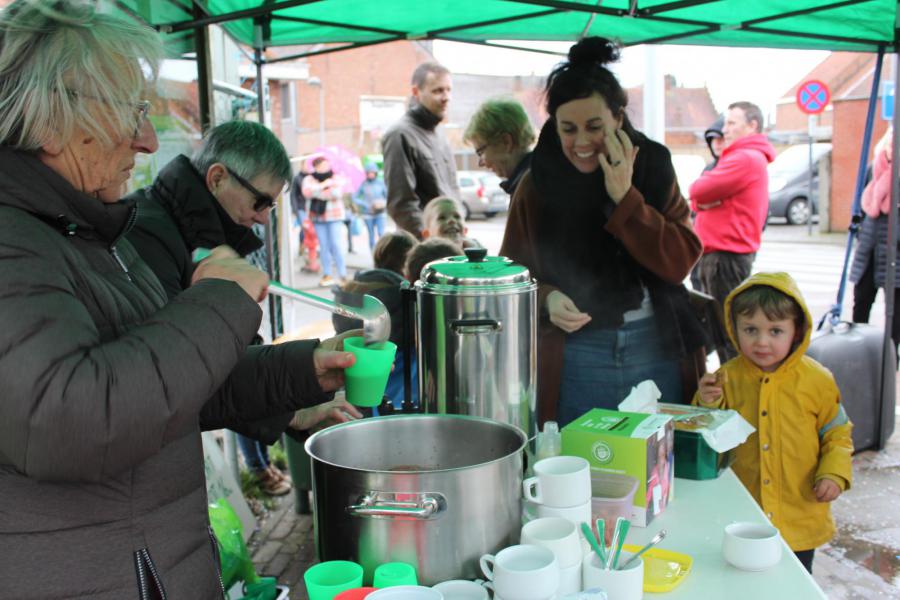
x=367, y=378
x=326, y=580
x=394, y=573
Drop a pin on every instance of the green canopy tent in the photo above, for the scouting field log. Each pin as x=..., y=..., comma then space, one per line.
x=860, y=25
x=848, y=25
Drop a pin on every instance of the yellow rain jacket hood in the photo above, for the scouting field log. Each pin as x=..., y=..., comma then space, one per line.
x=802, y=432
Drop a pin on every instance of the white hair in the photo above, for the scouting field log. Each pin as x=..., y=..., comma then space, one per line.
x=66, y=65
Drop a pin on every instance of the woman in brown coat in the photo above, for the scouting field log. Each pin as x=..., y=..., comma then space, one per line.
x=600, y=222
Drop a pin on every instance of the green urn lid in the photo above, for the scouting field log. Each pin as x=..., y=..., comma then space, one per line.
x=475, y=269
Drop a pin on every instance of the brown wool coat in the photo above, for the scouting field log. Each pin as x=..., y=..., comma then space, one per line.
x=664, y=243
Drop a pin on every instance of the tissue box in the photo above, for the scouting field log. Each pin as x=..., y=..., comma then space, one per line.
x=640, y=445
x=694, y=458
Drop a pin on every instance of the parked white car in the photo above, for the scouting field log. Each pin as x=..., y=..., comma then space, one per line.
x=481, y=194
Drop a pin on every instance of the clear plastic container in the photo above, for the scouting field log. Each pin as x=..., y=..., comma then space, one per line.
x=612, y=496
x=549, y=441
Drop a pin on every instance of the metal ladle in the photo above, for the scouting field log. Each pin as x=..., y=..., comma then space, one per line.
x=373, y=313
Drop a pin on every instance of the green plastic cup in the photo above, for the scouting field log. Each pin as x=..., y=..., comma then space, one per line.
x=366, y=380
x=326, y=580
x=394, y=573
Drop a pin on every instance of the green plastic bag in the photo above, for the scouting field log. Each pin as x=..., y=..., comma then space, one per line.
x=233, y=554
x=264, y=589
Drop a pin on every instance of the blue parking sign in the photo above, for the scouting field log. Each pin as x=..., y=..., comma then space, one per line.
x=887, y=100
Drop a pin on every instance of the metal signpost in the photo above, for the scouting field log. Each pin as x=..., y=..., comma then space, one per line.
x=812, y=98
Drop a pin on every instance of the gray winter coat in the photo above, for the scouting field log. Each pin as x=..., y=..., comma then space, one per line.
x=418, y=166
x=102, y=490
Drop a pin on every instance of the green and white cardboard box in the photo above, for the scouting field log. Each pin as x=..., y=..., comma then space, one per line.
x=635, y=444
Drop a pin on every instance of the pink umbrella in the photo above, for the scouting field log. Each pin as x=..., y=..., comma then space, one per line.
x=343, y=162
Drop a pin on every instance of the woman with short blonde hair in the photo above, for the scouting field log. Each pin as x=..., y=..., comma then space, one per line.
x=502, y=137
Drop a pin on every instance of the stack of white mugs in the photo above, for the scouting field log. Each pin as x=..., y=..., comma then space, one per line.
x=560, y=497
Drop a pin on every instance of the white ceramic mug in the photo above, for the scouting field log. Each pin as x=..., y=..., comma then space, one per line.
x=570, y=580
x=752, y=546
x=522, y=572
x=575, y=514
x=406, y=592
x=559, y=481
x=619, y=585
x=558, y=534
x=462, y=589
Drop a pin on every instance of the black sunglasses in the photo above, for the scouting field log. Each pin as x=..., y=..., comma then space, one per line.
x=261, y=201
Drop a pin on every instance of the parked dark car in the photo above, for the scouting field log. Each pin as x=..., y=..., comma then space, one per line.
x=789, y=182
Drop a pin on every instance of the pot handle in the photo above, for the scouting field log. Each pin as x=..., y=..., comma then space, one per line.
x=475, y=326
x=386, y=505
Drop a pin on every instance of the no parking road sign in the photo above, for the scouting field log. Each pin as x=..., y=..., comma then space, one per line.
x=813, y=96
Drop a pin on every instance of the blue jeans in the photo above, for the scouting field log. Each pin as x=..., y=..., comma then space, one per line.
x=600, y=366
x=373, y=223
x=256, y=454
x=329, y=234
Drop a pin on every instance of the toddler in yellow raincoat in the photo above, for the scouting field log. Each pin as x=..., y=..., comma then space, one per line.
x=799, y=459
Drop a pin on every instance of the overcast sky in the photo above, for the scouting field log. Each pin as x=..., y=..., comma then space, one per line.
x=731, y=74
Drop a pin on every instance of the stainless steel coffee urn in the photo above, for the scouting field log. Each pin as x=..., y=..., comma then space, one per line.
x=477, y=329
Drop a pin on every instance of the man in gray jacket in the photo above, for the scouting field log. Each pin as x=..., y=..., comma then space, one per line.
x=418, y=162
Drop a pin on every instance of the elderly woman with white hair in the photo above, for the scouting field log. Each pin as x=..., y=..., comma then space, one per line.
x=101, y=472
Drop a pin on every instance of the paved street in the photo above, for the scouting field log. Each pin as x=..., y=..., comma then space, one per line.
x=863, y=561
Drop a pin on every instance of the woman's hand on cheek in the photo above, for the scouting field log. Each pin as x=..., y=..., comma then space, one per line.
x=618, y=163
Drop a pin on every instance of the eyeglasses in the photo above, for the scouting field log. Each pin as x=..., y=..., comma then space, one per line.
x=143, y=111
x=261, y=201
x=479, y=151
x=141, y=108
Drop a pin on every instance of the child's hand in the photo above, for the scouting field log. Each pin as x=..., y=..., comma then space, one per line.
x=827, y=490
x=710, y=388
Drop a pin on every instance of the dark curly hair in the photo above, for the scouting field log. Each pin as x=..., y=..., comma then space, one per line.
x=585, y=74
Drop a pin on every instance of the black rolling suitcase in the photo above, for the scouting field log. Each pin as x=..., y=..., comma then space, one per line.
x=853, y=353
x=864, y=368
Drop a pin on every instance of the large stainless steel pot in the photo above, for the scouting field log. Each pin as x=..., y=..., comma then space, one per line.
x=436, y=491
x=477, y=327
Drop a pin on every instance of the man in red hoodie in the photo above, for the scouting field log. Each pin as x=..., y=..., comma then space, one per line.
x=732, y=202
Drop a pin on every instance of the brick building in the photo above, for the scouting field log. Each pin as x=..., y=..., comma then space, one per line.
x=849, y=78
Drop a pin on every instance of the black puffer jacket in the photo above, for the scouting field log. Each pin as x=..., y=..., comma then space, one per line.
x=101, y=467
x=872, y=246
x=177, y=215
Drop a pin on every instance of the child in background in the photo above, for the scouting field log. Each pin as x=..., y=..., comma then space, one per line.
x=391, y=250
x=443, y=217
x=384, y=282
x=799, y=458
x=427, y=251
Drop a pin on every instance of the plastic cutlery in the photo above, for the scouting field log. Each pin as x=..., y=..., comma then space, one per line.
x=656, y=539
x=601, y=534
x=589, y=536
x=613, y=543
x=622, y=527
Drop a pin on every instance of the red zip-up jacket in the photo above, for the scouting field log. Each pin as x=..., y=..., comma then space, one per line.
x=732, y=199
